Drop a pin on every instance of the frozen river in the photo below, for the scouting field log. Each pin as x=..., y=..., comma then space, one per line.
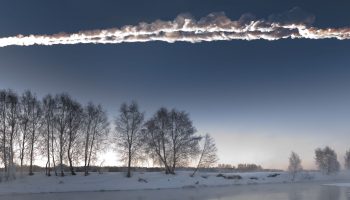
x=300, y=191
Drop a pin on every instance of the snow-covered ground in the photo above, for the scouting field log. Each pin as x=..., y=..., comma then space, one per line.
x=39, y=183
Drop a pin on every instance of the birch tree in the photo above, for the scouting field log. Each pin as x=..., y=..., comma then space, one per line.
x=326, y=160
x=183, y=141
x=61, y=126
x=208, y=155
x=170, y=138
x=35, y=122
x=25, y=114
x=128, y=133
x=96, y=133
x=74, y=122
x=49, y=106
x=294, y=165
x=3, y=129
x=12, y=118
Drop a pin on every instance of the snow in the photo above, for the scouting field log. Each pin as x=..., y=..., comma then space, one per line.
x=338, y=184
x=117, y=181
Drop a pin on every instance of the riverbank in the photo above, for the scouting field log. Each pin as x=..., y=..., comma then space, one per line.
x=117, y=181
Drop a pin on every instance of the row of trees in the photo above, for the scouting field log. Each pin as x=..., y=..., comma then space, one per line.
x=56, y=127
x=68, y=133
x=326, y=161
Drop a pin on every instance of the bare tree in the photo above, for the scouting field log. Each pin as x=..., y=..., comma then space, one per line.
x=347, y=160
x=208, y=155
x=75, y=117
x=96, y=131
x=3, y=97
x=326, y=160
x=6, y=102
x=12, y=119
x=9, y=119
x=183, y=140
x=157, y=138
x=49, y=106
x=170, y=138
x=128, y=133
x=35, y=124
x=294, y=165
x=25, y=114
x=61, y=125
x=4, y=127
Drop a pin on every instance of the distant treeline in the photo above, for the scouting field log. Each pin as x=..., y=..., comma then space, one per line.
x=102, y=169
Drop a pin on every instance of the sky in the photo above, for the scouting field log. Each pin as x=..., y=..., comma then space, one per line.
x=259, y=99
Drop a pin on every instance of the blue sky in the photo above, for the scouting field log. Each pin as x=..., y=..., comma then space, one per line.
x=259, y=99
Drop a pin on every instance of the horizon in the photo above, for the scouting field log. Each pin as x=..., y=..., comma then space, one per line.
x=260, y=99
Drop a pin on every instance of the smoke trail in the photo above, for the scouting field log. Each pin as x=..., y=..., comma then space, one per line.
x=214, y=27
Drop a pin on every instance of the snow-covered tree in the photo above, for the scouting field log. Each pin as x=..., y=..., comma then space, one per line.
x=294, y=165
x=326, y=160
x=208, y=155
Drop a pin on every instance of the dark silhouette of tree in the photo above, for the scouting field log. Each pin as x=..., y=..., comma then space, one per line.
x=128, y=133
x=208, y=155
x=35, y=121
x=326, y=160
x=96, y=129
x=170, y=138
x=49, y=106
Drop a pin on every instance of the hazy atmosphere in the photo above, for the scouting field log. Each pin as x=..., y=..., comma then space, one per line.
x=259, y=99
x=174, y=99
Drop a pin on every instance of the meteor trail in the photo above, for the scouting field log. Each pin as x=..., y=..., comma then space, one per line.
x=294, y=24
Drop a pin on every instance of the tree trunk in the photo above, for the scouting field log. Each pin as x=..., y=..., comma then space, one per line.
x=48, y=164
x=199, y=162
x=167, y=169
x=70, y=156
x=31, y=153
x=61, y=154
x=174, y=159
x=11, y=163
x=4, y=146
x=129, y=163
x=86, y=153
x=71, y=164
x=91, y=150
x=53, y=153
x=23, y=146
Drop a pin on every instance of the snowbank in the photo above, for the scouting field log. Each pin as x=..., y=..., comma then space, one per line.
x=39, y=183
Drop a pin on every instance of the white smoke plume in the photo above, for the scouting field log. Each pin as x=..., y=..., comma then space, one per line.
x=292, y=24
